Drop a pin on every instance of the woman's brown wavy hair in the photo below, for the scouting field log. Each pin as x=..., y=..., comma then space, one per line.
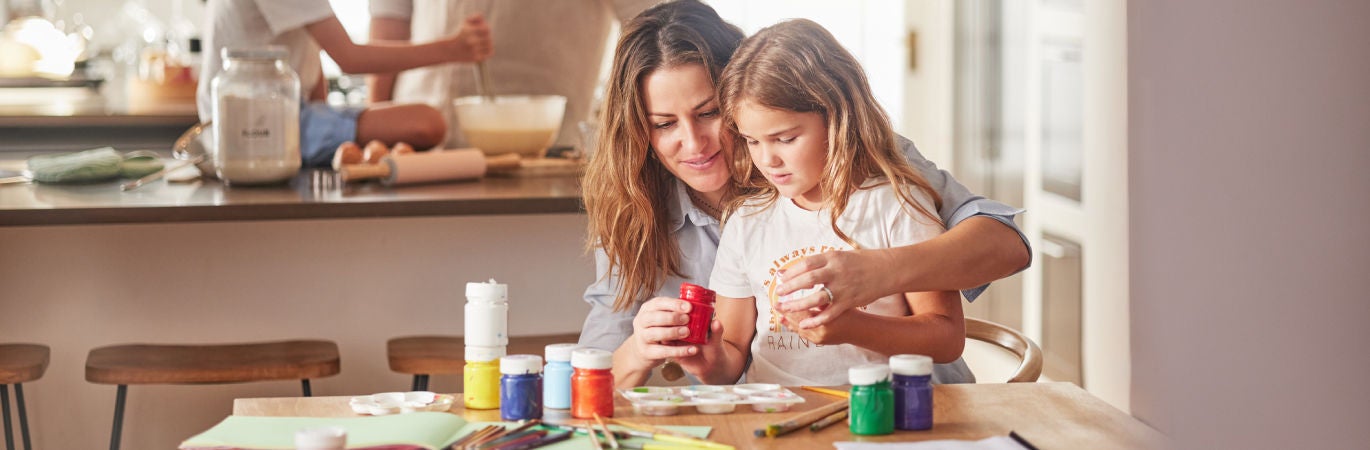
x=626, y=192
x=798, y=66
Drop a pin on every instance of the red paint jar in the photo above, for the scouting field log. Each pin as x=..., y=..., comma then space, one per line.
x=701, y=312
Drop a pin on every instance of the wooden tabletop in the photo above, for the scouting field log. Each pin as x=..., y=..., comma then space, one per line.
x=1048, y=415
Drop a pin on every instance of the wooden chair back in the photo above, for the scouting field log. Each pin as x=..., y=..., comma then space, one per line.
x=1009, y=339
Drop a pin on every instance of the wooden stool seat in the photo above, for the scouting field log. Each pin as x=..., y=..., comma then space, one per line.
x=422, y=356
x=207, y=363
x=212, y=363
x=426, y=355
x=19, y=363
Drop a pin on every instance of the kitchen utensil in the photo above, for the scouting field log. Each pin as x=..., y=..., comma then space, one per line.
x=160, y=173
x=522, y=124
x=420, y=167
x=196, y=141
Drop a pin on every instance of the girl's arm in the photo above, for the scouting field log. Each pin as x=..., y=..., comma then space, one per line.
x=723, y=359
x=936, y=328
x=470, y=44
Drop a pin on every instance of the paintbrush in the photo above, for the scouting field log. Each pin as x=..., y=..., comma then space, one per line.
x=665, y=435
x=613, y=441
x=831, y=419
x=801, y=420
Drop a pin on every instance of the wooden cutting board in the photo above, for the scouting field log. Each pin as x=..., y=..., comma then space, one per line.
x=544, y=167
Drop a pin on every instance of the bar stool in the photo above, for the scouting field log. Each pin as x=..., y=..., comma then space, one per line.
x=422, y=356
x=207, y=364
x=19, y=363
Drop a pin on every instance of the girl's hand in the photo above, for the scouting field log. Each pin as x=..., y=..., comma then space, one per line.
x=473, y=42
x=659, y=323
x=855, y=278
x=706, y=359
x=826, y=334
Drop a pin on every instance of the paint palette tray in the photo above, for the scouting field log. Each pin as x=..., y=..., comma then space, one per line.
x=709, y=399
x=400, y=402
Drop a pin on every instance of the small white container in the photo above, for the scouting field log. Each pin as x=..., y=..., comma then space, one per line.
x=645, y=392
x=769, y=402
x=715, y=402
x=659, y=404
x=749, y=389
x=696, y=390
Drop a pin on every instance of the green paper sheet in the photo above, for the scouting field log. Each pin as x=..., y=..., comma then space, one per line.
x=429, y=430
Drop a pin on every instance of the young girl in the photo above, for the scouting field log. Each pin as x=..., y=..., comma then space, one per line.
x=821, y=172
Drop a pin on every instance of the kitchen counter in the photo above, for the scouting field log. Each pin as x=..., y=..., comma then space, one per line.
x=315, y=194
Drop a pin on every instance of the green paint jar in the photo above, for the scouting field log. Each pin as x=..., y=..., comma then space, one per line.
x=872, y=400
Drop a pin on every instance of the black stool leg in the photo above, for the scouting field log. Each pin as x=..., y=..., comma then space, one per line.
x=304, y=384
x=23, y=417
x=119, y=397
x=5, y=399
x=420, y=382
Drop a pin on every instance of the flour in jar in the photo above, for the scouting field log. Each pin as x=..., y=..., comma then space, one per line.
x=258, y=139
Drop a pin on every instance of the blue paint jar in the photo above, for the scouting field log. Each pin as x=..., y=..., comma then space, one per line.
x=912, y=391
x=520, y=387
x=556, y=378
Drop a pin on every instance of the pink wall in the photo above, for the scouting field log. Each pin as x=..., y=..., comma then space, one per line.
x=1249, y=172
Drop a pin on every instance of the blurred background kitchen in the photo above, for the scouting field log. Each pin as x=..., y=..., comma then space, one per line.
x=1142, y=290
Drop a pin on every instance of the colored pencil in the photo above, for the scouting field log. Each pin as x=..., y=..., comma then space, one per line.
x=802, y=420
x=829, y=391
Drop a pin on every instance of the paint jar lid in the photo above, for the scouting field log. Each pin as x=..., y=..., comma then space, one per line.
x=915, y=365
x=520, y=364
x=866, y=374
x=476, y=353
x=321, y=438
x=696, y=294
x=592, y=358
x=560, y=352
x=489, y=291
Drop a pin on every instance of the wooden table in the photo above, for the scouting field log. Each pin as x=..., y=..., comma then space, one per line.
x=1049, y=415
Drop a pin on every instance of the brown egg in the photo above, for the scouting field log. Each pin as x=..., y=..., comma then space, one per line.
x=375, y=150
x=347, y=153
x=402, y=148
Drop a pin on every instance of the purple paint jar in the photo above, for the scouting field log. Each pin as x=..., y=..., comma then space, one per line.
x=912, y=391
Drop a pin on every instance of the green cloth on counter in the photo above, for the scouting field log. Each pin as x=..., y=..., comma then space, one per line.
x=93, y=165
x=140, y=163
x=81, y=167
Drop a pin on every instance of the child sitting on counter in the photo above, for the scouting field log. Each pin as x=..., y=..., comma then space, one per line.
x=304, y=27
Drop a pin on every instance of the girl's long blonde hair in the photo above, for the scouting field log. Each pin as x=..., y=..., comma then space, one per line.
x=626, y=190
x=798, y=66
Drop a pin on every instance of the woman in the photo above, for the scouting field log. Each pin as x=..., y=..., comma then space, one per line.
x=653, y=193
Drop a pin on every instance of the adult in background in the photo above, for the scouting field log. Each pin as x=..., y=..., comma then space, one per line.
x=541, y=48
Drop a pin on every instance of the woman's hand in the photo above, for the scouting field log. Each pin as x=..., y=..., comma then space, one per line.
x=658, y=325
x=829, y=333
x=850, y=279
x=472, y=43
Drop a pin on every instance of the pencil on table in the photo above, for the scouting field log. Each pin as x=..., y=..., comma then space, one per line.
x=829, y=391
x=801, y=420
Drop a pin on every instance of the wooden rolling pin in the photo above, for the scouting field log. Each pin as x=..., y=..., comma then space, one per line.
x=434, y=166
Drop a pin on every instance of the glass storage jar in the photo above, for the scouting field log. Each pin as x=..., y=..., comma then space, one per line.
x=256, y=114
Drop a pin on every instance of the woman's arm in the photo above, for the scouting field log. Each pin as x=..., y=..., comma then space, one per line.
x=470, y=44
x=978, y=250
x=381, y=86
x=936, y=328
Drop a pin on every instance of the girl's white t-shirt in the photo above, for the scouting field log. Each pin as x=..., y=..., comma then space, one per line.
x=757, y=242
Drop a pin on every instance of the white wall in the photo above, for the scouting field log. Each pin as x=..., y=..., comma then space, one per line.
x=358, y=282
x=1248, y=190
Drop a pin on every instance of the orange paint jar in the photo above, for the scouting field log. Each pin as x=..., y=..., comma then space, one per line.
x=592, y=383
